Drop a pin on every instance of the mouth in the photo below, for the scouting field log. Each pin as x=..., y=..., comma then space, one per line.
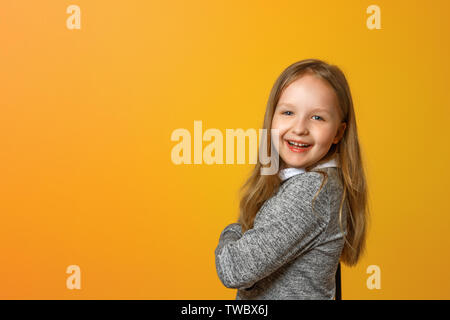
x=297, y=147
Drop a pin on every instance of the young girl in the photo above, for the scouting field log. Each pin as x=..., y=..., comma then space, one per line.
x=297, y=225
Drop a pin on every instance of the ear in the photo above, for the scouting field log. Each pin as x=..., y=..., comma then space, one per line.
x=340, y=132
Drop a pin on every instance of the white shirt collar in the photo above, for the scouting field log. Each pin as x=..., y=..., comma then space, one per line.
x=290, y=172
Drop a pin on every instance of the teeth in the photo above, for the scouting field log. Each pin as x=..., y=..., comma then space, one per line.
x=298, y=144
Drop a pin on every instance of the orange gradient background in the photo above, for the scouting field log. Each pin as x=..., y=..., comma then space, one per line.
x=86, y=118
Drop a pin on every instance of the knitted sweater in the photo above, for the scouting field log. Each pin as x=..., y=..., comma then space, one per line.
x=291, y=252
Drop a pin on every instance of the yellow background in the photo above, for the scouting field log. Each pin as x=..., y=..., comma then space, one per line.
x=86, y=117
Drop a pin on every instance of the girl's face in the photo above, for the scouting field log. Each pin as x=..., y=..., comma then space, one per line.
x=307, y=112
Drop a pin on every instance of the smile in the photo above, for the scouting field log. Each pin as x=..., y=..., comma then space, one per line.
x=296, y=148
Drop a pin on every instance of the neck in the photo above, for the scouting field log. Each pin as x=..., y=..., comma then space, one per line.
x=323, y=160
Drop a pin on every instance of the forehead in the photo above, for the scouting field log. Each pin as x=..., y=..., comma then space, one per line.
x=310, y=91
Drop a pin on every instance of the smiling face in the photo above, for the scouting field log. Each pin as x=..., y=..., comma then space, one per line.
x=307, y=112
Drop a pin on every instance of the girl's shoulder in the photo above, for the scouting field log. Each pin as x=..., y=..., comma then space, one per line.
x=308, y=183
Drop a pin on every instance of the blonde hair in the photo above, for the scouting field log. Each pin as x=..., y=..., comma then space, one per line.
x=258, y=188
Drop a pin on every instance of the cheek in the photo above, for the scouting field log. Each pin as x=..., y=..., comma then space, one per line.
x=324, y=136
x=275, y=123
x=279, y=124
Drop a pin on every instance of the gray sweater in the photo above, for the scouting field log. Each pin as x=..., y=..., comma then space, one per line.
x=291, y=252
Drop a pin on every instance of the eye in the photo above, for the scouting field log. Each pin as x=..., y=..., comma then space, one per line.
x=318, y=117
x=286, y=111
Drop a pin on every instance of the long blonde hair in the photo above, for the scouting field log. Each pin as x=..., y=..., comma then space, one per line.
x=258, y=188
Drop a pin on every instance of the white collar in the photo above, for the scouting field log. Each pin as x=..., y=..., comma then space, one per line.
x=290, y=172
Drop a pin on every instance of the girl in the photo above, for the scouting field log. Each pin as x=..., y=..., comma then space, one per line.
x=296, y=226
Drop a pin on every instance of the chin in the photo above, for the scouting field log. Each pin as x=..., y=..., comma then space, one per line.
x=295, y=164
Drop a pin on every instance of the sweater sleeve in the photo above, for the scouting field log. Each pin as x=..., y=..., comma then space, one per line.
x=285, y=228
x=231, y=233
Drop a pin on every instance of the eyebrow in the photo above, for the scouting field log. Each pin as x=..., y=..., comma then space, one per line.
x=287, y=104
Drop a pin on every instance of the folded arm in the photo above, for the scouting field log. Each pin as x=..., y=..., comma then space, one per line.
x=288, y=229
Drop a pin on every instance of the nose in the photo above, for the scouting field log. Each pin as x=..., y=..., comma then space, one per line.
x=300, y=126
